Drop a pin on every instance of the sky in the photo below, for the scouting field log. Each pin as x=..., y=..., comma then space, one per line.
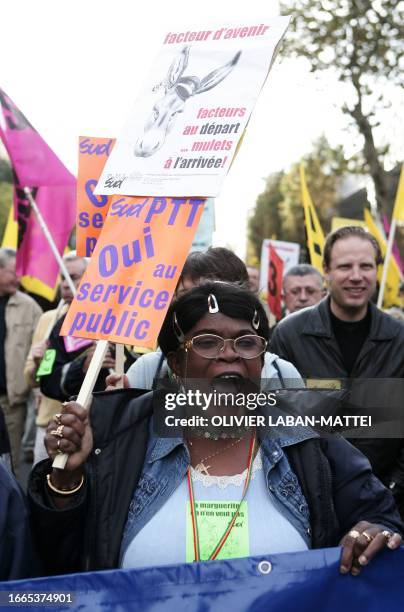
x=75, y=68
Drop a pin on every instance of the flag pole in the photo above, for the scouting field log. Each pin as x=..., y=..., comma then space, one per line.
x=119, y=363
x=50, y=240
x=389, y=249
x=86, y=391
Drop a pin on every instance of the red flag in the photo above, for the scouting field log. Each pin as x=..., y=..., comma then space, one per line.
x=53, y=188
x=275, y=274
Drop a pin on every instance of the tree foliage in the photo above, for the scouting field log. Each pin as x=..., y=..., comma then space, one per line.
x=361, y=41
x=6, y=200
x=6, y=193
x=265, y=221
x=6, y=175
x=279, y=212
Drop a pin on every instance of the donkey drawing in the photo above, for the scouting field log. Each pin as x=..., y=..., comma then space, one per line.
x=177, y=89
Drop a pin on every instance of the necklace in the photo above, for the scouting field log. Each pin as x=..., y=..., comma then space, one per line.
x=201, y=467
x=229, y=527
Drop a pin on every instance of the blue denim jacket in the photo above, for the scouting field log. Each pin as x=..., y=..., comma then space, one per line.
x=166, y=464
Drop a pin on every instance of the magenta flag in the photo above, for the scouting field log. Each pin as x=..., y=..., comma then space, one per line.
x=53, y=187
x=396, y=250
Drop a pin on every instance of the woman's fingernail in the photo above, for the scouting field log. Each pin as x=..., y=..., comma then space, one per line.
x=363, y=560
x=343, y=569
x=355, y=571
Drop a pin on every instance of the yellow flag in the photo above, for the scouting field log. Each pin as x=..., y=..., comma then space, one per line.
x=390, y=297
x=31, y=284
x=398, y=212
x=315, y=236
x=10, y=233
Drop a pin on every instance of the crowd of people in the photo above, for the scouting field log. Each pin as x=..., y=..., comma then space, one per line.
x=280, y=489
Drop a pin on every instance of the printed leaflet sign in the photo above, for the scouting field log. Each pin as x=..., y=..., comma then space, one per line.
x=185, y=126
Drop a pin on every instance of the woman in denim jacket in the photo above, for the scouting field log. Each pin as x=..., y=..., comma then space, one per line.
x=148, y=485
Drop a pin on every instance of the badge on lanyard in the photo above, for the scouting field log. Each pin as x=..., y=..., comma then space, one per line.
x=213, y=518
x=46, y=365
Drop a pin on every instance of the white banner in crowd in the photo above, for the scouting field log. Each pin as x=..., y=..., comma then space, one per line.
x=183, y=132
x=288, y=251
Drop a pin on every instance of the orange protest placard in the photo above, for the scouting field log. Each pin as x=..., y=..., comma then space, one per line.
x=132, y=274
x=91, y=209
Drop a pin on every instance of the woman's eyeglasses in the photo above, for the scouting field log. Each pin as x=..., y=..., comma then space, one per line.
x=211, y=346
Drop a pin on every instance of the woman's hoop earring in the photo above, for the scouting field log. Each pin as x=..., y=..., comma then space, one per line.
x=176, y=379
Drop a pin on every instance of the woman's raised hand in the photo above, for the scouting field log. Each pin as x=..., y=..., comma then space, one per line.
x=70, y=432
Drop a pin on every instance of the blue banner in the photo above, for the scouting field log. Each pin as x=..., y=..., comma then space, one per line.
x=298, y=582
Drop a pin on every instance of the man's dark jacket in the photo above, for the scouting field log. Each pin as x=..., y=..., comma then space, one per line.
x=307, y=340
x=335, y=479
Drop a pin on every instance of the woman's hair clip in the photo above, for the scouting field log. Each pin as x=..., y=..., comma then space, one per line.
x=255, y=320
x=179, y=334
x=212, y=304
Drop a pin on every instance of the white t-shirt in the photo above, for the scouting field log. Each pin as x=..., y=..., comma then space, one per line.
x=260, y=529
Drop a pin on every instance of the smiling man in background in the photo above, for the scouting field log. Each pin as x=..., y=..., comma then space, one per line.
x=346, y=337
